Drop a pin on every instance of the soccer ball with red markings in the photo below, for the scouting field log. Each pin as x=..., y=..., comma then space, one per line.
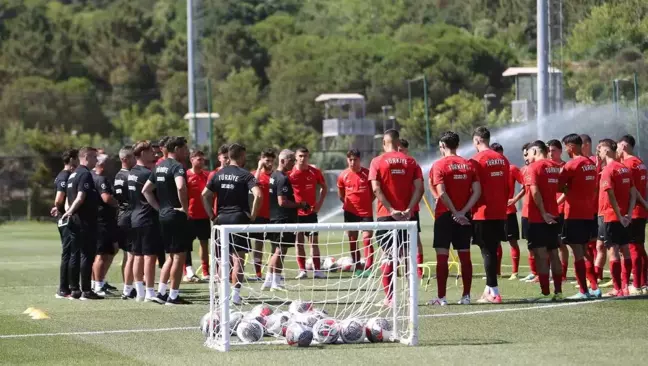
x=205, y=328
x=261, y=310
x=299, y=335
x=346, y=264
x=329, y=264
x=249, y=331
x=299, y=306
x=326, y=331
x=378, y=330
x=352, y=331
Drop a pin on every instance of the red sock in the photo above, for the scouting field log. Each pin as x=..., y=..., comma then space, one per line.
x=316, y=263
x=591, y=275
x=591, y=248
x=205, y=267
x=544, y=283
x=532, y=265
x=637, y=265
x=301, y=262
x=515, y=258
x=615, y=269
x=557, y=278
x=626, y=270
x=442, y=274
x=368, y=252
x=599, y=272
x=579, y=268
x=499, y=259
x=419, y=260
x=387, y=271
x=564, y=265
x=184, y=270
x=466, y=272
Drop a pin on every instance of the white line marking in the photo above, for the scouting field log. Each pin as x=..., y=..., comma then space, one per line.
x=9, y=336
x=536, y=307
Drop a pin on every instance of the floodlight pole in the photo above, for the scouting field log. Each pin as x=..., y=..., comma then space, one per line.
x=543, y=65
x=636, y=92
x=211, y=125
x=190, y=72
x=427, y=112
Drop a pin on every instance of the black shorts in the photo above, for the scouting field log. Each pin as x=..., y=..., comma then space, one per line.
x=351, y=217
x=239, y=242
x=525, y=227
x=638, y=231
x=616, y=234
x=385, y=239
x=543, y=235
x=259, y=221
x=416, y=217
x=512, y=227
x=310, y=219
x=594, y=228
x=283, y=239
x=200, y=229
x=576, y=231
x=600, y=228
x=106, y=238
x=176, y=232
x=121, y=236
x=489, y=233
x=447, y=231
x=145, y=240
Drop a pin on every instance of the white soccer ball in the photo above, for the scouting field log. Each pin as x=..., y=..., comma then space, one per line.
x=235, y=320
x=326, y=331
x=298, y=306
x=378, y=330
x=249, y=331
x=204, y=325
x=309, y=318
x=298, y=335
x=309, y=264
x=329, y=264
x=346, y=264
x=352, y=331
x=261, y=310
x=276, y=323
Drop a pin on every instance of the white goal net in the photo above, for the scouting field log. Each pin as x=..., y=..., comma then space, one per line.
x=342, y=302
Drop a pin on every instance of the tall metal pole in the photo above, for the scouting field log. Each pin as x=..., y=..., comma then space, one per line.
x=211, y=125
x=636, y=92
x=427, y=112
x=543, y=66
x=190, y=72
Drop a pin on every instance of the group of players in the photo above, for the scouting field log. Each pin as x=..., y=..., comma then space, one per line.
x=155, y=206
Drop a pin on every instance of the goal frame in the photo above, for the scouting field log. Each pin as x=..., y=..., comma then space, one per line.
x=223, y=233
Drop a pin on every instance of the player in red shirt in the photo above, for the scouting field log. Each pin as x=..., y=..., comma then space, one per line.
x=524, y=216
x=262, y=175
x=354, y=190
x=489, y=214
x=555, y=154
x=457, y=186
x=305, y=180
x=512, y=226
x=595, y=247
x=617, y=198
x=404, y=148
x=542, y=178
x=579, y=179
x=199, y=225
x=398, y=185
x=638, y=257
x=223, y=161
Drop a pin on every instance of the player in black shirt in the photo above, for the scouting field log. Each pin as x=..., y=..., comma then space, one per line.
x=81, y=215
x=106, y=228
x=169, y=180
x=70, y=162
x=144, y=239
x=283, y=210
x=231, y=186
x=124, y=212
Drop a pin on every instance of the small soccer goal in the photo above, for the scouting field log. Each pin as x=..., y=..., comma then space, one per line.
x=344, y=301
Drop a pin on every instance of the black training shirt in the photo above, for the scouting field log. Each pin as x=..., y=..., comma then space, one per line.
x=81, y=181
x=142, y=214
x=60, y=185
x=106, y=214
x=166, y=189
x=280, y=187
x=120, y=186
x=231, y=185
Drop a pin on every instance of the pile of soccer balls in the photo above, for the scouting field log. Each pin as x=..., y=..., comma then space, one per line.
x=300, y=326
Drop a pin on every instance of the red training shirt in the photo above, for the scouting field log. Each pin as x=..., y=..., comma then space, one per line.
x=417, y=207
x=580, y=178
x=264, y=184
x=545, y=174
x=396, y=173
x=358, y=196
x=196, y=182
x=618, y=178
x=493, y=170
x=525, y=202
x=515, y=175
x=457, y=175
x=304, y=183
x=639, y=174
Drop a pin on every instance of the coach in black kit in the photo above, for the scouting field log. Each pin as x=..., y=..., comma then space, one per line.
x=70, y=162
x=106, y=227
x=231, y=186
x=169, y=181
x=81, y=215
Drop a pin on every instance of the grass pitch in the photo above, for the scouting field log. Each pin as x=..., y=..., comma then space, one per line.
x=129, y=333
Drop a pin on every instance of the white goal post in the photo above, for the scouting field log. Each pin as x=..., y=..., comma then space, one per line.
x=340, y=295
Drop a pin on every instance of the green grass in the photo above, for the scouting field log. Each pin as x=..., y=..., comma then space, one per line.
x=603, y=332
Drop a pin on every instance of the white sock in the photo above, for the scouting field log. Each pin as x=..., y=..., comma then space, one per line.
x=269, y=278
x=494, y=291
x=237, y=291
x=276, y=279
x=93, y=284
x=139, y=286
x=150, y=292
x=99, y=285
x=190, y=272
x=174, y=294
x=162, y=288
x=127, y=290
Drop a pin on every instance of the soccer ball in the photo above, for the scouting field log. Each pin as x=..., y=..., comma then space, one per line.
x=378, y=330
x=352, y=331
x=298, y=335
x=261, y=310
x=309, y=318
x=329, y=264
x=309, y=264
x=326, y=331
x=249, y=331
x=276, y=323
x=234, y=320
x=299, y=306
x=346, y=264
x=204, y=325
